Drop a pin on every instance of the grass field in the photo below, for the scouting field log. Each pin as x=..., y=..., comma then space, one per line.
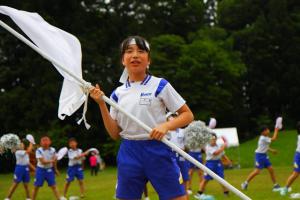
x=102, y=187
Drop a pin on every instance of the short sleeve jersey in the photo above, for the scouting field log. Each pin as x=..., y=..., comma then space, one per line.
x=148, y=101
x=263, y=144
x=177, y=137
x=72, y=154
x=298, y=144
x=210, y=150
x=22, y=157
x=47, y=154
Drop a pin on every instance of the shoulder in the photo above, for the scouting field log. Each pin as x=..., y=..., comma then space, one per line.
x=52, y=149
x=39, y=150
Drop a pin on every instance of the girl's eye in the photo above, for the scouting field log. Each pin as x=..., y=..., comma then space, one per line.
x=128, y=51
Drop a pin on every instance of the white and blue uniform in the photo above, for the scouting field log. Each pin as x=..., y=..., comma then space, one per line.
x=213, y=162
x=297, y=157
x=261, y=157
x=140, y=159
x=197, y=155
x=44, y=172
x=177, y=137
x=74, y=165
x=21, y=173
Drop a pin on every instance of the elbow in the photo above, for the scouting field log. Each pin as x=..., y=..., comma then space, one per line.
x=190, y=116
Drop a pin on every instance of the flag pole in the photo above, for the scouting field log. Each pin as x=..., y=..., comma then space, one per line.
x=129, y=115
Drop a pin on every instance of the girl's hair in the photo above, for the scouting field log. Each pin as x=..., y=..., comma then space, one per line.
x=214, y=136
x=263, y=128
x=140, y=42
x=26, y=143
x=72, y=139
x=298, y=127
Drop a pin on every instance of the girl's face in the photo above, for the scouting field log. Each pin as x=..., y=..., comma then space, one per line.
x=213, y=141
x=135, y=59
x=45, y=142
x=266, y=132
x=73, y=144
x=22, y=146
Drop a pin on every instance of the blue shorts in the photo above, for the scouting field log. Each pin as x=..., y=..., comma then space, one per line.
x=42, y=175
x=197, y=156
x=297, y=162
x=183, y=166
x=143, y=161
x=262, y=161
x=216, y=166
x=74, y=171
x=22, y=174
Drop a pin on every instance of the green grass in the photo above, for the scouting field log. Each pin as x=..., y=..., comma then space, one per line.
x=102, y=187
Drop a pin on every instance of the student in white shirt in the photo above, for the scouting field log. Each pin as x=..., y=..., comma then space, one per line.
x=75, y=170
x=214, y=153
x=296, y=171
x=177, y=137
x=21, y=173
x=46, y=167
x=262, y=159
x=142, y=158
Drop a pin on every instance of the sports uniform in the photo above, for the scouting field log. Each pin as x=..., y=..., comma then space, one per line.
x=297, y=157
x=177, y=137
x=44, y=172
x=21, y=173
x=74, y=165
x=261, y=157
x=140, y=159
x=213, y=162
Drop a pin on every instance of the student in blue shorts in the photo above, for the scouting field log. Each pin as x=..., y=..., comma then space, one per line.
x=75, y=170
x=21, y=173
x=142, y=157
x=177, y=137
x=214, y=153
x=296, y=171
x=196, y=154
x=262, y=159
x=46, y=167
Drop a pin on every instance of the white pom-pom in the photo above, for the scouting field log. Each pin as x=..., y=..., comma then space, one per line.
x=30, y=138
x=212, y=123
x=61, y=153
x=10, y=141
x=197, y=135
x=279, y=123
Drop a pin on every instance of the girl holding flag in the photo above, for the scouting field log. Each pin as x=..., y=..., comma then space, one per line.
x=142, y=157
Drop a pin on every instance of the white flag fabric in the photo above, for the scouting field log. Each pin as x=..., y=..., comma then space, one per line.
x=62, y=47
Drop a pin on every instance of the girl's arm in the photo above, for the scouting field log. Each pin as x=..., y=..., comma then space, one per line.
x=275, y=135
x=31, y=166
x=29, y=149
x=110, y=124
x=273, y=151
x=217, y=152
x=185, y=116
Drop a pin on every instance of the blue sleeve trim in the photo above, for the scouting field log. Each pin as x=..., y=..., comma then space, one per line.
x=114, y=96
x=161, y=86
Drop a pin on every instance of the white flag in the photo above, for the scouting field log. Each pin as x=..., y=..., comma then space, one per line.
x=62, y=47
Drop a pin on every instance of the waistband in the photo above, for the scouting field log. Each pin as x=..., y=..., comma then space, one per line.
x=22, y=165
x=213, y=161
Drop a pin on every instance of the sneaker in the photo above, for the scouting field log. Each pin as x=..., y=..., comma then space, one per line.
x=63, y=198
x=146, y=198
x=203, y=197
x=276, y=188
x=189, y=192
x=283, y=191
x=295, y=196
x=244, y=185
